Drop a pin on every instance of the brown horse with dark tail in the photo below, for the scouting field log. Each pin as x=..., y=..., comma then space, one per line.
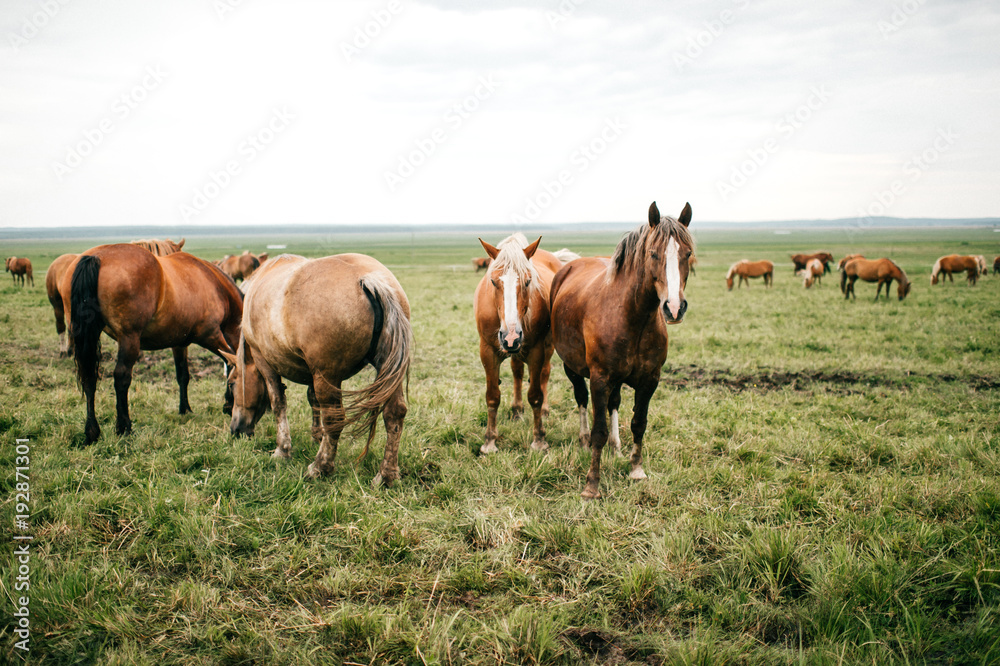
x=609, y=325
x=882, y=271
x=20, y=268
x=145, y=302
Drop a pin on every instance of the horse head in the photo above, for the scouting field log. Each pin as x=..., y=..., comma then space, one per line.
x=903, y=288
x=246, y=385
x=667, y=260
x=513, y=279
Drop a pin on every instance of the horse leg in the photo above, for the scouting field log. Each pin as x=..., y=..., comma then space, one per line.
x=317, y=428
x=183, y=376
x=128, y=352
x=517, y=406
x=643, y=394
x=614, y=436
x=392, y=417
x=536, y=394
x=580, y=394
x=61, y=330
x=879, y=289
x=276, y=393
x=546, y=372
x=598, y=437
x=491, y=364
x=331, y=411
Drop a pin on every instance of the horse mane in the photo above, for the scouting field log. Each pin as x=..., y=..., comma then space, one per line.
x=732, y=269
x=160, y=248
x=906, y=280
x=512, y=256
x=630, y=255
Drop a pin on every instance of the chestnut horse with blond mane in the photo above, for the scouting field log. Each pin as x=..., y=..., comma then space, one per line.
x=955, y=263
x=883, y=271
x=802, y=260
x=318, y=322
x=746, y=269
x=609, y=325
x=511, y=307
x=19, y=267
x=145, y=302
x=812, y=273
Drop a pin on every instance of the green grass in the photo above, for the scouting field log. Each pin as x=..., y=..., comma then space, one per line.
x=822, y=489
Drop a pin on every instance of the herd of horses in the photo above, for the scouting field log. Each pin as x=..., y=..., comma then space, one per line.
x=319, y=322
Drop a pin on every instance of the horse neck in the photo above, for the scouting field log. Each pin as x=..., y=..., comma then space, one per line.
x=637, y=297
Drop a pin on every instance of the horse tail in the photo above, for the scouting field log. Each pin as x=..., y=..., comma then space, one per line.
x=390, y=352
x=935, y=271
x=86, y=320
x=843, y=280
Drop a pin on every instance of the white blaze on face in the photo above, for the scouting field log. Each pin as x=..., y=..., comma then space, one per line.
x=674, y=297
x=509, y=281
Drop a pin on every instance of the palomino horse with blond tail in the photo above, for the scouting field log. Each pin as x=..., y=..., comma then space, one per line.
x=511, y=306
x=955, y=263
x=145, y=302
x=746, y=269
x=883, y=271
x=812, y=273
x=609, y=325
x=319, y=322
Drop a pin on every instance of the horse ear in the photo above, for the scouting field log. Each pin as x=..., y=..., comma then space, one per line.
x=529, y=251
x=181, y=244
x=262, y=257
x=654, y=215
x=685, y=217
x=230, y=358
x=490, y=250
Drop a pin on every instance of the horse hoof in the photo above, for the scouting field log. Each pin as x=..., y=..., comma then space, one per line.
x=585, y=441
x=489, y=447
x=539, y=445
x=377, y=481
x=516, y=413
x=281, y=454
x=637, y=474
x=590, y=495
x=314, y=472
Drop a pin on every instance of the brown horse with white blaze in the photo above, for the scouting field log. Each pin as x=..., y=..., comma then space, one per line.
x=145, y=302
x=19, y=269
x=319, y=322
x=609, y=326
x=746, y=269
x=882, y=271
x=511, y=307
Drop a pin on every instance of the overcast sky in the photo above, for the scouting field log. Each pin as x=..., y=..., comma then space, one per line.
x=439, y=111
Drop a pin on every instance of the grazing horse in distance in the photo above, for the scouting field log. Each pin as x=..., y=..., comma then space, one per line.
x=609, y=325
x=53, y=276
x=812, y=273
x=996, y=264
x=20, y=268
x=481, y=263
x=800, y=260
x=160, y=248
x=746, y=269
x=954, y=263
x=145, y=302
x=883, y=271
x=843, y=262
x=319, y=322
x=983, y=268
x=511, y=307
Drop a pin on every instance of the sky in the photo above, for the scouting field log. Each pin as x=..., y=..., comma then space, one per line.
x=509, y=113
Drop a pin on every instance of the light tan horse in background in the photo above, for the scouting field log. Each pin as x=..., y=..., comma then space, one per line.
x=983, y=268
x=746, y=269
x=319, y=322
x=955, y=263
x=883, y=271
x=812, y=273
x=511, y=307
x=19, y=267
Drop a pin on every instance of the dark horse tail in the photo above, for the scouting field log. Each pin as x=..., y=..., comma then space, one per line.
x=86, y=320
x=843, y=280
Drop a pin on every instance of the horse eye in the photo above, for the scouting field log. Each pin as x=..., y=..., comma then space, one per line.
x=654, y=255
x=527, y=283
x=495, y=285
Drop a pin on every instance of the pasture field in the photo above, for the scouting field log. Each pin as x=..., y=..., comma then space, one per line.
x=823, y=487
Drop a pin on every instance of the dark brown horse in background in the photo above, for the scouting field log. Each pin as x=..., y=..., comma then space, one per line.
x=511, y=307
x=801, y=260
x=145, y=302
x=481, y=263
x=955, y=263
x=609, y=325
x=746, y=269
x=19, y=267
x=996, y=264
x=883, y=271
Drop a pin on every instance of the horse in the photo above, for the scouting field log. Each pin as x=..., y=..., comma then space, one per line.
x=160, y=248
x=954, y=263
x=692, y=262
x=996, y=264
x=511, y=308
x=883, y=271
x=609, y=324
x=800, y=260
x=319, y=322
x=981, y=262
x=145, y=302
x=481, y=263
x=812, y=273
x=53, y=276
x=241, y=266
x=843, y=262
x=746, y=269
x=19, y=267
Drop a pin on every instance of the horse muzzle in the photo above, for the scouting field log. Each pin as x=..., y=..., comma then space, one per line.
x=511, y=341
x=670, y=319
